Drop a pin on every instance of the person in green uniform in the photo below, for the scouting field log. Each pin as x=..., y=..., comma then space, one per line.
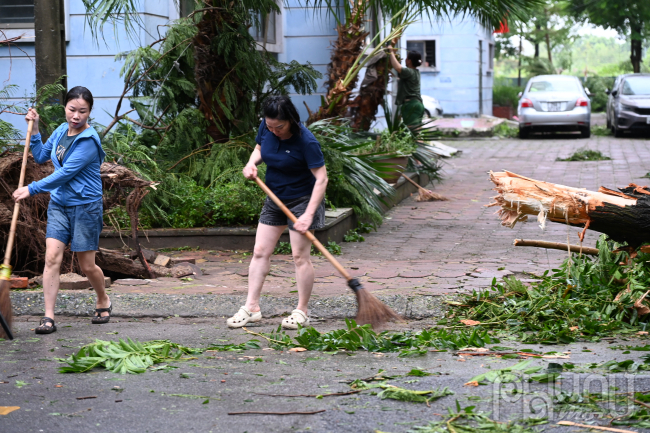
x=408, y=88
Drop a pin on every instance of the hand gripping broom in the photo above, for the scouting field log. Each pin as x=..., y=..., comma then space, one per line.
x=369, y=309
x=6, y=313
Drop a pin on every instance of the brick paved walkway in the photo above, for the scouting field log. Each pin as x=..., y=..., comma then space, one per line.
x=440, y=247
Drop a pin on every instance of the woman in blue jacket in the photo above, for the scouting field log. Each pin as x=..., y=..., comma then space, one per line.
x=74, y=215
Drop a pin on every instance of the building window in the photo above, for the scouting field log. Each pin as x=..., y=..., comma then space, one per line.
x=17, y=14
x=268, y=32
x=265, y=29
x=186, y=7
x=490, y=57
x=429, y=51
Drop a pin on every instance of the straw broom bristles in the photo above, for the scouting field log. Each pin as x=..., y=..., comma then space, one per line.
x=425, y=194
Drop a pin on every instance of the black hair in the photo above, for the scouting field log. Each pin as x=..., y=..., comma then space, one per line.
x=280, y=107
x=79, y=92
x=415, y=58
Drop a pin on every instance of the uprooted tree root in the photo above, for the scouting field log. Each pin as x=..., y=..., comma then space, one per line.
x=119, y=184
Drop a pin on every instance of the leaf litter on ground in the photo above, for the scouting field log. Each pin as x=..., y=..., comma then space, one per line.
x=136, y=357
x=584, y=299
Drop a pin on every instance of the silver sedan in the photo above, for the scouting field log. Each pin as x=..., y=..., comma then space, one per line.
x=554, y=103
x=628, y=104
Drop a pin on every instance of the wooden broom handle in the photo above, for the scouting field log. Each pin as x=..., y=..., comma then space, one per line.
x=309, y=234
x=411, y=180
x=21, y=180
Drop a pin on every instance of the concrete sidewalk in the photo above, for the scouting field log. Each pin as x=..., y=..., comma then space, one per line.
x=422, y=251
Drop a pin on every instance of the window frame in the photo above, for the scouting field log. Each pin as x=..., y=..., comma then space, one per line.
x=278, y=46
x=26, y=30
x=490, y=57
x=425, y=39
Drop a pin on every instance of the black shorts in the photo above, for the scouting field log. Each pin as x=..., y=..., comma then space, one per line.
x=272, y=215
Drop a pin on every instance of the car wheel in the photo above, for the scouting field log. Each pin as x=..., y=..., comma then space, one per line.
x=618, y=132
x=523, y=133
x=427, y=115
x=609, y=122
x=585, y=132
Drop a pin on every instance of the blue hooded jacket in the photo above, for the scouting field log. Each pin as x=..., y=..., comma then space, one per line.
x=77, y=181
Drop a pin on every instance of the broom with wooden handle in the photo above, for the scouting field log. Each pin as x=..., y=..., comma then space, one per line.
x=425, y=194
x=6, y=313
x=369, y=309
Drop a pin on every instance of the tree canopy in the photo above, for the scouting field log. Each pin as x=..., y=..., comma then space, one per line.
x=629, y=18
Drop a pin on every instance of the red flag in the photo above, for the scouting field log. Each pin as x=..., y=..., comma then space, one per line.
x=503, y=27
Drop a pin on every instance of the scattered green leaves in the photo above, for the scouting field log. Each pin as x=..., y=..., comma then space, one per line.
x=356, y=337
x=577, y=301
x=124, y=356
x=584, y=154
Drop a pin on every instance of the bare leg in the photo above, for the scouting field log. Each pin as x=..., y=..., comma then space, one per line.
x=301, y=248
x=95, y=277
x=265, y=240
x=54, y=249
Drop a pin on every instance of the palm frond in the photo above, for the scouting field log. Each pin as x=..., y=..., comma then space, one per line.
x=488, y=12
x=354, y=179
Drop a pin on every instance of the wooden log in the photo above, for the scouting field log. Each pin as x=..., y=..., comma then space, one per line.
x=623, y=215
x=116, y=261
x=555, y=246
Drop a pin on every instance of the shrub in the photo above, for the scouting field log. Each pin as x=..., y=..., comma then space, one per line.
x=505, y=95
x=226, y=204
x=597, y=87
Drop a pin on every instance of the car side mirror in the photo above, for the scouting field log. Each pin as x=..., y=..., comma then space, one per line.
x=587, y=92
x=614, y=93
x=519, y=95
x=607, y=92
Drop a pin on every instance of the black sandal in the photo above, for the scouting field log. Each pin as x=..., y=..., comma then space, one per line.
x=45, y=329
x=99, y=319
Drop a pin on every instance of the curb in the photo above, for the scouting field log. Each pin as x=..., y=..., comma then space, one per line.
x=136, y=305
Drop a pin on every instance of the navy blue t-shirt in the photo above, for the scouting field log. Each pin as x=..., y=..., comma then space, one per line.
x=288, y=162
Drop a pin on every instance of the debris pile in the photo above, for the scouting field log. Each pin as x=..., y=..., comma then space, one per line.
x=120, y=185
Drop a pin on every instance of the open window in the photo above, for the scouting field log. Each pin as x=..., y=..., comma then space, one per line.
x=429, y=49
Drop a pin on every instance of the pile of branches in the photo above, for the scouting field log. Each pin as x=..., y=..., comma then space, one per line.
x=119, y=183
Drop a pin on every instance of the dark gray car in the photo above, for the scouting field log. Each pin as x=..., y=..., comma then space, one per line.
x=628, y=104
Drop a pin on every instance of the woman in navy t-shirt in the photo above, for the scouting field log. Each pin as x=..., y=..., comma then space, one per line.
x=295, y=172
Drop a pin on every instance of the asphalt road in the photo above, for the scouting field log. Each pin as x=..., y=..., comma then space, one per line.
x=215, y=383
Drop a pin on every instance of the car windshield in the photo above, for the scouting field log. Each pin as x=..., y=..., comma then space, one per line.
x=636, y=86
x=550, y=85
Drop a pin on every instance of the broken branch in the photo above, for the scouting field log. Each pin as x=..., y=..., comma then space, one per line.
x=594, y=427
x=555, y=246
x=254, y=412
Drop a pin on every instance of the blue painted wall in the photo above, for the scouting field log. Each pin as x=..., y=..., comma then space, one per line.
x=307, y=36
x=89, y=64
x=456, y=82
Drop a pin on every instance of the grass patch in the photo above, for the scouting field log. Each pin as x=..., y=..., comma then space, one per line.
x=586, y=155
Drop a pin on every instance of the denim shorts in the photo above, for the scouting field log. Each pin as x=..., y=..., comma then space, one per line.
x=272, y=215
x=79, y=226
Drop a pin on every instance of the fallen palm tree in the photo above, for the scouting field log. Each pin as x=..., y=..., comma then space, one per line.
x=624, y=215
x=119, y=183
